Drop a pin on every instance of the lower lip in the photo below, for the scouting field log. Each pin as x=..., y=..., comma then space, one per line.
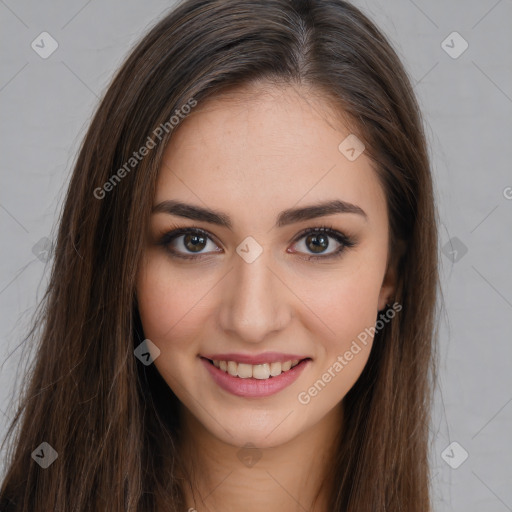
x=254, y=387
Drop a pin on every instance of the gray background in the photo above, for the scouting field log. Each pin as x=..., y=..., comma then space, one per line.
x=46, y=105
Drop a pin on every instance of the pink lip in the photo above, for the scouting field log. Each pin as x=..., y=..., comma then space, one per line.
x=252, y=387
x=265, y=357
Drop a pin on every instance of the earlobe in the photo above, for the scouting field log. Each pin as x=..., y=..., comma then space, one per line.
x=385, y=298
x=387, y=289
x=389, y=283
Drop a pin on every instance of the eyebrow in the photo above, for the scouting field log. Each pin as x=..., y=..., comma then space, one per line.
x=286, y=217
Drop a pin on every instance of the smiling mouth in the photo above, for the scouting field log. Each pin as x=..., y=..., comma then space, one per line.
x=262, y=371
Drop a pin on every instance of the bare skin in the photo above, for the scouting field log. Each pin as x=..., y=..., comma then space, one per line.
x=252, y=155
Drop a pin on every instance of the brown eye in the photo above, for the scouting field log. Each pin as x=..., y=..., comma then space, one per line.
x=189, y=243
x=322, y=243
x=194, y=243
x=317, y=242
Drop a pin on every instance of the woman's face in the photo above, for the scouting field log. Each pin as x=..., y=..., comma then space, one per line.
x=248, y=171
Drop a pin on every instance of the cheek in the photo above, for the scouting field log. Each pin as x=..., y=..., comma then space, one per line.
x=172, y=302
x=163, y=299
x=343, y=315
x=169, y=307
x=346, y=304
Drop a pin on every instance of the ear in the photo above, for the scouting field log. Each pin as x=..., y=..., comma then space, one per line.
x=390, y=280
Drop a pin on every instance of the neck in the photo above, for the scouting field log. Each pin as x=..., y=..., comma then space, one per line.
x=291, y=476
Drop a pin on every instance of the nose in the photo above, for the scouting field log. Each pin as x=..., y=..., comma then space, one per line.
x=255, y=302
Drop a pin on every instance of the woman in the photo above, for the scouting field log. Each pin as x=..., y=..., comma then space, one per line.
x=241, y=311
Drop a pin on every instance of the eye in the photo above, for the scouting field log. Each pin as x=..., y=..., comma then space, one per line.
x=192, y=241
x=318, y=242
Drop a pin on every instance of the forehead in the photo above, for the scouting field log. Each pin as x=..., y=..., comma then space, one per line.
x=265, y=149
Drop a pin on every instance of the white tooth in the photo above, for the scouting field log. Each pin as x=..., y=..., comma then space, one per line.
x=261, y=371
x=244, y=370
x=286, y=366
x=275, y=369
x=232, y=368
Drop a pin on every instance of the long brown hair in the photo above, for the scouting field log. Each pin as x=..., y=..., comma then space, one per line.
x=112, y=420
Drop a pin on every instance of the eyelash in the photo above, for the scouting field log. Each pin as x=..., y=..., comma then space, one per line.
x=341, y=238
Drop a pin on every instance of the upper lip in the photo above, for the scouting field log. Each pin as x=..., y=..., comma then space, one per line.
x=265, y=357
